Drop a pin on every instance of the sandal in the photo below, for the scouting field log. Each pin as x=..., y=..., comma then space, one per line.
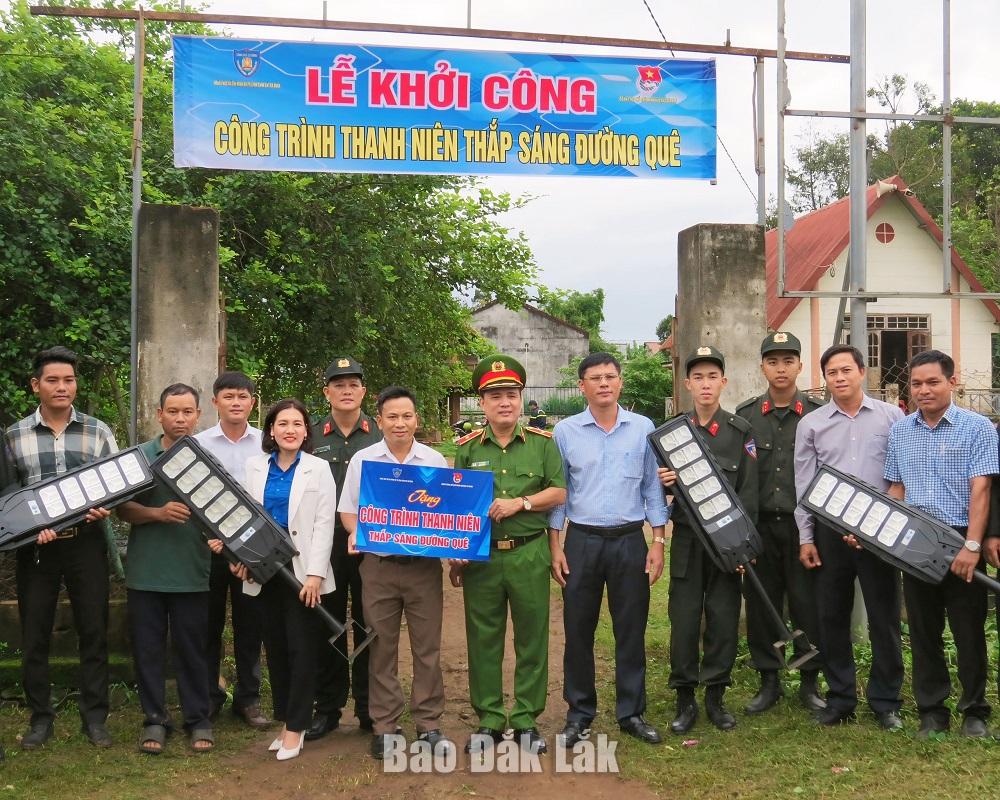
x=152, y=734
x=204, y=737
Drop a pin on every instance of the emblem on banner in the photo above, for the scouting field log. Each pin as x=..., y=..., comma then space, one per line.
x=246, y=61
x=397, y=472
x=649, y=78
x=456, y=477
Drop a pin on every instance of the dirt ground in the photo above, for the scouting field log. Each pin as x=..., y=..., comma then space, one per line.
x=339, y=765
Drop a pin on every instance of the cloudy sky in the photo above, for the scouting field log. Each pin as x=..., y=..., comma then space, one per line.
x=621, y=234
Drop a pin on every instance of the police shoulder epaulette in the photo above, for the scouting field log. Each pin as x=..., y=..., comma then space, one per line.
x=470, y=436
x=547, y=434
x=746, y=404
x=740, y=424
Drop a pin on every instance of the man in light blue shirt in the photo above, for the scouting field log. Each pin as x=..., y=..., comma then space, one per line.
x=941, y=460
x=612, y=490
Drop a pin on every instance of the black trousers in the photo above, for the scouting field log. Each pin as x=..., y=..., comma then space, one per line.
x=965, y=605
x=835, y=600
x=185, y=615
x=82, y=563
x=246, y=637
x=620, y=564
x=700, y=589
x=782, y=576
x=290, y=637
x=336, y=676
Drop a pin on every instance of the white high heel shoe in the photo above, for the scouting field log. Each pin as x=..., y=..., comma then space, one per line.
x=275, y=746
x=284, y=754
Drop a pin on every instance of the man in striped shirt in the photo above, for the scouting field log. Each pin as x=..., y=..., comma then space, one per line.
x=941, y=460
x=53, y=440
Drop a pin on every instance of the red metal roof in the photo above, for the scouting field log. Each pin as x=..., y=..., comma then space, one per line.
x=817, y=238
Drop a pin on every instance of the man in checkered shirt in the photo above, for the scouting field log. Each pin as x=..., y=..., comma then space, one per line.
x=53, y=440
x=940, y=460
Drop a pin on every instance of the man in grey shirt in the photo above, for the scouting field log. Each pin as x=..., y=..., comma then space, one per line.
x=850, y=433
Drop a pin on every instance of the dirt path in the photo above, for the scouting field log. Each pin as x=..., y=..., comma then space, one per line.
x=339, y=765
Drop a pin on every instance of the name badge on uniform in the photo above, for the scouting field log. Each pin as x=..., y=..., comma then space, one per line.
x=475, y=464
x=323, y=449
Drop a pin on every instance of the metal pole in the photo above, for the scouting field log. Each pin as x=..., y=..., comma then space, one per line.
x=946, y=148
x=133, y=385
x=858, y=179
x=758, y=71
x=468, y=15
x=782, y=92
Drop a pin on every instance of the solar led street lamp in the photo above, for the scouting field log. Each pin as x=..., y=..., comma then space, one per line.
x=906, y=537
x=62, y=502
x=715, y=512
x=249, y=535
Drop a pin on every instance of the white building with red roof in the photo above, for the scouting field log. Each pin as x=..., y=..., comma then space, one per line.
x=904, y=254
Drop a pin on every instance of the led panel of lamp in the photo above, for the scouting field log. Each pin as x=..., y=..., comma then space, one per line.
x=713, y=506
x=224, y=508
x=63, y=501
x=900, y=534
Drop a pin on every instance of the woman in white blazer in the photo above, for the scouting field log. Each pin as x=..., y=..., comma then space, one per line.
x=298, y=490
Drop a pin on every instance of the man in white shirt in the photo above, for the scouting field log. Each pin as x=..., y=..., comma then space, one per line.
x=232, y=441
x=392, y=584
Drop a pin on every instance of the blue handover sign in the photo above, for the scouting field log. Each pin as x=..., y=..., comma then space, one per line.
x=424, y=511
x=248, y=104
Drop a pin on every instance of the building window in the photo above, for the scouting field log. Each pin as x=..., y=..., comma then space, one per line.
x=884, y=232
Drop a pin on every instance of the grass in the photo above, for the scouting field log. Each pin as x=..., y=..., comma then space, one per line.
x=783, y=753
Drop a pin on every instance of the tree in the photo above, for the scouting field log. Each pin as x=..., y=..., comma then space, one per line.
x=665, y=328
x=647, y=380
x=311, y=265
x=583, y=309
x=821, y=177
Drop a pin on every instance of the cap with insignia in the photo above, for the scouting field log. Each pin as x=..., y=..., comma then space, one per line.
x=780, y=340
x=705, y=353
x=343, y=365
x=498, y=372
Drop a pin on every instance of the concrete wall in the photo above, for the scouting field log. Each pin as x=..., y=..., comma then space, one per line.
x=178, y=291
x=720, y=302
x=542, y=344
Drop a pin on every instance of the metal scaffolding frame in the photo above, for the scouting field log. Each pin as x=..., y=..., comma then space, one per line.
x=858, y=295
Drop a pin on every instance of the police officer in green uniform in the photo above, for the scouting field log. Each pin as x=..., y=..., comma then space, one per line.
x=337, y=437
x=695, y=582
x=528, y=481
x=774, y=416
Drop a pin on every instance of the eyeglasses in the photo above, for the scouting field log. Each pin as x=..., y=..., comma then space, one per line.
x=608, y=377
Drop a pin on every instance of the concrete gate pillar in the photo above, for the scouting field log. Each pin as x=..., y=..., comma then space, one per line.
x=720, y=302
x=178, y=299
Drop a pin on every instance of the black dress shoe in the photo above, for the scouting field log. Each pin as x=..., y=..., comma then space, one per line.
x=435, y=738
x=686, y=714
x=889, y=720
x=640, y=729
x=573, y=732
x=38, y=734
x=483, y=739
x=364, y=721
x=531, y=740
x=98, y=734
x=975, y=727
x=322, y=724
x=716, y=710
x=768, y=696
x=833, y=716
x=809, y=694
x=380, y=742
x=930, y=724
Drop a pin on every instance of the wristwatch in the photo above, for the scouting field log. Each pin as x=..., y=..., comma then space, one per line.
x=527, y=503
x=972, y=546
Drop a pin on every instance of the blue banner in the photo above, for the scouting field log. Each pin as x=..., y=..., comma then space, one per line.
x=424, y=511
x=268, y=105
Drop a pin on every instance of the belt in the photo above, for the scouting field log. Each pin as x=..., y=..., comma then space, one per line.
x=403, y=559
x=611, y=531
x=512, y=543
